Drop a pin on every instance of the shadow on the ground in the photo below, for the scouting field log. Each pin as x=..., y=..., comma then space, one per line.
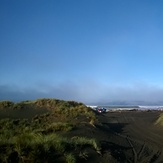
x=117, y=151
x=112, y=127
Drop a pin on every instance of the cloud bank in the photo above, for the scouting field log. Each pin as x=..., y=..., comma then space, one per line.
x=87, y=92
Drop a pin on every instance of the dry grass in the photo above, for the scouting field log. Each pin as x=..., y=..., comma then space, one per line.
x=36, y=138
x=160, y=120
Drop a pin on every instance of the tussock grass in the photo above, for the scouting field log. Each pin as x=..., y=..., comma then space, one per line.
x=31, y=146
x=70, y=158
x=59, y=126
x=59, y=107
x=35, y=138
x=6, y=105
x=159, y=121
x=81, y=141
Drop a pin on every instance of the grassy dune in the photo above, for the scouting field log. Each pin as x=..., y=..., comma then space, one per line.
x=52, y=130
x=33, y=131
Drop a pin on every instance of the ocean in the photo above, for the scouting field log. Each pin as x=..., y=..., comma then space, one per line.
x=127, y=107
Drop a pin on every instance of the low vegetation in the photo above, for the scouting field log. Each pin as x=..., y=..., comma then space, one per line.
x=160, y=120
x=34, y=147
x=38, y=135
x=6, y=105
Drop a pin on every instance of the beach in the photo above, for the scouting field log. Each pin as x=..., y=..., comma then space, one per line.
x=127, y=136
x=135, y=135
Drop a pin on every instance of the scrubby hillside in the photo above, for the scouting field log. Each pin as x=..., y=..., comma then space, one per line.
x=42, y=136
x=49, y=104
x=52, y=130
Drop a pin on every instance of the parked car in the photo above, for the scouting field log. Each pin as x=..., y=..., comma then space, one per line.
x=101, y=110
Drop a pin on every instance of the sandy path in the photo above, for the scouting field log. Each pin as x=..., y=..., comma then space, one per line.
x=138, y=131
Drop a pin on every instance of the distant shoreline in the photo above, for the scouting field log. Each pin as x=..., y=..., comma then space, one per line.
x=127, y=107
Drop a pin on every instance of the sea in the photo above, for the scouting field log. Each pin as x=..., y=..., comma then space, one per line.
x=127, y=107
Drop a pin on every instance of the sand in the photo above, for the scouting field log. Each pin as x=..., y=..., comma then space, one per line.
x=126, y=136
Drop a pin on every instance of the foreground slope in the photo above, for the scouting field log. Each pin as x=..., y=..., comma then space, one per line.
x=52, y=130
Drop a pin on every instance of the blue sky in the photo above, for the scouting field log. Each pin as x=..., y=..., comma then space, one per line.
x=85, y=50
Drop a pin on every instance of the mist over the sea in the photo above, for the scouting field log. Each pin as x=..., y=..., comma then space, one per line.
x=88, y=92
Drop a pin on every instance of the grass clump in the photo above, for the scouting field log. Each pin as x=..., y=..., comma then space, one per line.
x=83, y=141
x=159, y=121
x=59, y=126
x=6, y=105
x=34, y=147
x=70, y=158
